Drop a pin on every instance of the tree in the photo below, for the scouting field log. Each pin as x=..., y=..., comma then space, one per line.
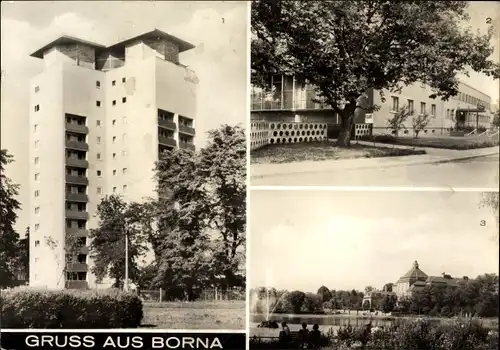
x=397, y=122
x=388, y=303
x=9, y=238
x=117, y=220
x=325, y=293
x=388, y=287
x=181, y=241
x=344, y=49
x=368, y=289
x=222, y=168
x=313, y=304
x=496, y=119
x=420, y=122
x=294, y=301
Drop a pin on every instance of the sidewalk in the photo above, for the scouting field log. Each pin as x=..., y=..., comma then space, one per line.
x=434, y=155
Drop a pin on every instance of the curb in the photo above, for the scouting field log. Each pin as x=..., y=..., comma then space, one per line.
x=411, y=163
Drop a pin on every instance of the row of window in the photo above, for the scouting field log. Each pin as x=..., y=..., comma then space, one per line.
x=98, y=103
x=124, y=172
x=471, y=100
x=113, y=83
x=114, y=189
x=423, y=106
x=113, y=122
x=124, y=153
x=124, y=138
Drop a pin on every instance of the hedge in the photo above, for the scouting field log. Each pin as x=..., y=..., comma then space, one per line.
x=30, y=308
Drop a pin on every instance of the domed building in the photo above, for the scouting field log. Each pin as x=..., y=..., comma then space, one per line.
x=415, y=279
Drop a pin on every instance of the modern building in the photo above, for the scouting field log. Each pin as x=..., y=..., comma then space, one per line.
x=415, y=279
x=100, y=116
x=285, y=101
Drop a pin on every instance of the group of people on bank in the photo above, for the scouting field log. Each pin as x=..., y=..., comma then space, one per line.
x=305, y=338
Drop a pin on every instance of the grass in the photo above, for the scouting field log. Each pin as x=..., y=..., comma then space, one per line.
x=195, y=315
x=317, y=151
x=455, y=143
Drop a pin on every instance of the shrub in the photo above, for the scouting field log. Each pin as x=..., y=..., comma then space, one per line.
x=29, y=308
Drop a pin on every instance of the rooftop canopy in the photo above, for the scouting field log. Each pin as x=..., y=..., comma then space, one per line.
x=65, y=40
x=154, y=34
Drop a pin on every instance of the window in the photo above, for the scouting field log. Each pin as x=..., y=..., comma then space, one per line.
x=98, y=156
x=98, y=84
x=124, y=171
x=37, y=160
x=37, y=144
x=114, y=139
x=124, y=153
x=114, y=102
x=98, y=139
x=37, y=210
x=433, y=110
x=37, y=193
x=124, y=188
x=99, y=190
x=114, y=189
x=422, y=108
x=114, y=172
x=36, y=260
x=37, y=108
x=124, y=137
x=98, y=103
x=35, y=128
x=113, y=122
x=37, y=226
x=37, y=243
x=395, y=104
x=37, y=176
x=37, y=88
x=114, y=155
x=124, y=100
x=99, y=173
x=113, y=82
x=98, y=122
x=124, y=79
x=410, y=107
x=124, y=120
x=452, y=114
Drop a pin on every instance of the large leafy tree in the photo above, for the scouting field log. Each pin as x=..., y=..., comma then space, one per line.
x=222, y=168
x=9, y=238
x=117, y=221
x=345, y=48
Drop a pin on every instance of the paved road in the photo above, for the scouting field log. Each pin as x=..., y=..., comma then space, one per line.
x=477, y=172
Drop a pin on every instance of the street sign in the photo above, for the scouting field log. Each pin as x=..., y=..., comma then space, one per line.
x=369, y=118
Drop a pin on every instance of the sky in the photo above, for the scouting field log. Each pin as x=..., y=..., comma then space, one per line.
x=301, y=240
x=218, y=29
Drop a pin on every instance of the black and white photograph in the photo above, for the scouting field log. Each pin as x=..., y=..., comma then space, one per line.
x=373, y=269
x=123, y=165
x=375, y=93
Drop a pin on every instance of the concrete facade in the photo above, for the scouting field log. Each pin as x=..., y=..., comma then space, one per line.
x=287, y=101
x=100, y=118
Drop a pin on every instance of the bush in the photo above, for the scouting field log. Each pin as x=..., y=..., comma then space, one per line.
x=382, y=138
x=29, y=308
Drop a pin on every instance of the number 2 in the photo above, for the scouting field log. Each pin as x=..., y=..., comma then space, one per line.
x=488, y=20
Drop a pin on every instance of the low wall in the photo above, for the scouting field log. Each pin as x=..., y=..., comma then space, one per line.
x=259, y=134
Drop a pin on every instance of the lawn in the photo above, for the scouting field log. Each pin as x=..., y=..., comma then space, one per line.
x=195, y=315
x=446, y=142
x=316, y=151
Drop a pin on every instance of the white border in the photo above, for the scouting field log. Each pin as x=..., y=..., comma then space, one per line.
x=248, y=180
x=123, y=330
x=373, y=189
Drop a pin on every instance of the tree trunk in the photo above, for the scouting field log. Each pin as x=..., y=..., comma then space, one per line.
x=347, y=120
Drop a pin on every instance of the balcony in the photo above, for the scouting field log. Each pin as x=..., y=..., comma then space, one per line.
x=77, y=180
x=167, y=124
x=77, y=197
x=77, y=214
x=186, y=130
x=77, y=163
x=77, y=145
x=167, y=141
x=77, y=267
x=305, y=99
x=76, y=284
x=185, y=145
x=77, y=128
x=77, y=232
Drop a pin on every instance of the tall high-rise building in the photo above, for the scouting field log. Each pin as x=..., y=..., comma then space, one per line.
x=99, y=119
